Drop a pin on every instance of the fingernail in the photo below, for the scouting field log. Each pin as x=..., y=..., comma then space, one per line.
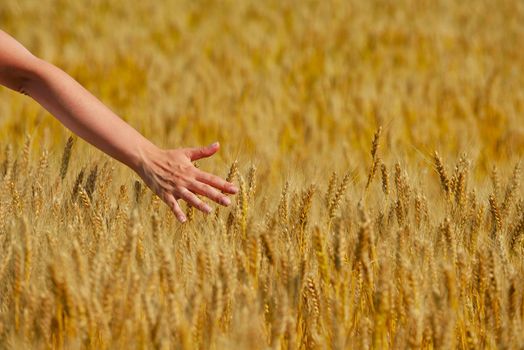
x=207, y=209
x=182, y=219
x=225, y=201
x=214, y=144
x=234, y=189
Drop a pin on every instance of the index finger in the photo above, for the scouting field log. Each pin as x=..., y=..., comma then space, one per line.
x=215, y=181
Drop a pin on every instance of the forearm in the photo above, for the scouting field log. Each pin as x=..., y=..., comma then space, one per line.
x=169, y=173
x=85, y=115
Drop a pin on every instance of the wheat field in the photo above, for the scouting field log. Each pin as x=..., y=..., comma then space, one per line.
x=376, y=145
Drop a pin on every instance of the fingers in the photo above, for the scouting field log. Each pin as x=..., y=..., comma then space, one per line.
x=173, y=173
x=202, y=152
x=210, y=192
x=217, y=182
x=175, y=207
x=194, y=201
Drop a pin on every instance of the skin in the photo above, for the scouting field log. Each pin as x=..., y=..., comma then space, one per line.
x=169, y=173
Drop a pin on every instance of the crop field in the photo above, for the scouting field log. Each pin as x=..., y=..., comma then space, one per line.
x=376, y=145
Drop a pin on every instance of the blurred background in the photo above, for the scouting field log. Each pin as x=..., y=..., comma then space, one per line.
x=295, y=86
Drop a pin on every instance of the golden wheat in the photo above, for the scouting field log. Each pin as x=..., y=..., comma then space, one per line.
x=313, y=253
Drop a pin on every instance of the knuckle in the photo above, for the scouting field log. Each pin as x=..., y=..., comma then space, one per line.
x=210, y=192
x=163, y=196
x=177, y=189
x=168, y=187
x=196, y=185
x=199, y=207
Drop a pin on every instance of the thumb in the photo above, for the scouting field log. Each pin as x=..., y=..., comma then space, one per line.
x=203, y=152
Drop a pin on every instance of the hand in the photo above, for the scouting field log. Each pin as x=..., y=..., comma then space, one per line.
x=171, y=175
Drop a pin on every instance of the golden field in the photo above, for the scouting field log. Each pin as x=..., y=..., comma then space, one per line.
x=349, y=231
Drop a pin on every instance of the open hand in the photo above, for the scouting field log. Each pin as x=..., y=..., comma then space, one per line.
x=172, y=176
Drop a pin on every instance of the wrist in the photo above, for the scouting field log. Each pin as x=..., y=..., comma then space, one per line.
x=144, y=152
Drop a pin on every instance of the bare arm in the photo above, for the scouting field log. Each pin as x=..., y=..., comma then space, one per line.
x=169, y=173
